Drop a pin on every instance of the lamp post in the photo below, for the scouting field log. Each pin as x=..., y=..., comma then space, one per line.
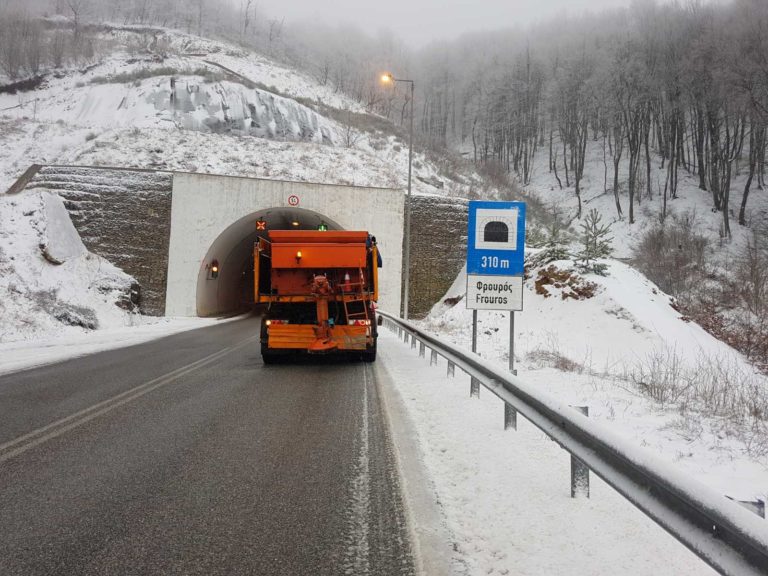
x=387, y=78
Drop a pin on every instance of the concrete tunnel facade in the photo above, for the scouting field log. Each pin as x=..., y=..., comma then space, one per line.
x=214, y=218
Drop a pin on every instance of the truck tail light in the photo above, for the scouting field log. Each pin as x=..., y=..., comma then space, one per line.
x=359, y=322
x=276, y=322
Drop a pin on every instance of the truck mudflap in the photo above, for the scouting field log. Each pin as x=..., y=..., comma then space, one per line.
x=304, y=337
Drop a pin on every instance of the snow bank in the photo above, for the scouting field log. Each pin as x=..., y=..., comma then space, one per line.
x=21, y=355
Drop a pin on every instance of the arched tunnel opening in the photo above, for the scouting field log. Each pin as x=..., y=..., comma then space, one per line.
x=225, y=280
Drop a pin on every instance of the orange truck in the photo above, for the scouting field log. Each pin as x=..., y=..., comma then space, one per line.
x=320, y=290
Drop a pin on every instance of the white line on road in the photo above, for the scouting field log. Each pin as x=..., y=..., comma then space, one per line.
x=59, y=427
x=357, y=560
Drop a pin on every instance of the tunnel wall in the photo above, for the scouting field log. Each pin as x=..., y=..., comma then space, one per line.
x=204, y=206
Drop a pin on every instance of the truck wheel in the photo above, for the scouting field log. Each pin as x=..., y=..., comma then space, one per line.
x=369, y=355
x=266, y=356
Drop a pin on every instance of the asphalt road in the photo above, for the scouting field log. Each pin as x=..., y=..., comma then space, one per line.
x=187, y=455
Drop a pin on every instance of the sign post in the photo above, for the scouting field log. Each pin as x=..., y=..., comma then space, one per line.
x=495, y=267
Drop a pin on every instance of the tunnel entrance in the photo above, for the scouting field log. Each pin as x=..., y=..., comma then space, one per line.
x=225, y=279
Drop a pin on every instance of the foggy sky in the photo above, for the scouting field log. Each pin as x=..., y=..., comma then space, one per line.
x=421, y=21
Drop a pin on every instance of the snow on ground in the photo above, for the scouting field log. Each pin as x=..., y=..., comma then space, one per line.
x=123, y=93
x=628, y=318
x=506, y=494
x=24, y=354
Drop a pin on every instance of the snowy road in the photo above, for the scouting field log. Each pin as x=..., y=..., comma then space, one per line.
x=188, y=456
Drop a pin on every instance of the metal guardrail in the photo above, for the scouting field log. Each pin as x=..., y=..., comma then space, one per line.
x=729, y=538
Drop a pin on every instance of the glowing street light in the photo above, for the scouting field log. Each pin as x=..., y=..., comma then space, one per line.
x=388, y=78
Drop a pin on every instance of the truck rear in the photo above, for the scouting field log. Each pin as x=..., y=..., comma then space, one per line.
x=320, y=290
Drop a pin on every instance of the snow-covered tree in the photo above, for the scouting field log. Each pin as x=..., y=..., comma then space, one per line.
x=596, y=244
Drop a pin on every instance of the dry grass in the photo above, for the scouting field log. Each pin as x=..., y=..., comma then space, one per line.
x=719, y=388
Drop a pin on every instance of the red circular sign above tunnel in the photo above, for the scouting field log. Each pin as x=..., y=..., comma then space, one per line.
x=293, y=200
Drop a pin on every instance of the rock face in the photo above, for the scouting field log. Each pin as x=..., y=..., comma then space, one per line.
x=123, y=216
x=438, y=248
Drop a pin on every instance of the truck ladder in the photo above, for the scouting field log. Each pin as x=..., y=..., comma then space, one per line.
x=354, y=297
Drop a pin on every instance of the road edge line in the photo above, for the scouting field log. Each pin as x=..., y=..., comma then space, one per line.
x=426, y=521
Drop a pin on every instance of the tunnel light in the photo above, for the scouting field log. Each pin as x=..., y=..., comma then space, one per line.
x=295, y=223
x=214, y=269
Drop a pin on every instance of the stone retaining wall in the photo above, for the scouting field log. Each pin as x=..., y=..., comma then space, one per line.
x=121, y=215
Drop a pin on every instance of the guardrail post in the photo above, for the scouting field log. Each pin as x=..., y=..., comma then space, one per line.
x=474, y=385
x=510, y=417
x=433, y=357
x=579, y=470
x=451, y=370
x=413, y=342
x=422, y=349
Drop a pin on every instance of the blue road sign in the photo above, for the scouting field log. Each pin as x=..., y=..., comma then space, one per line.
x=496, y=238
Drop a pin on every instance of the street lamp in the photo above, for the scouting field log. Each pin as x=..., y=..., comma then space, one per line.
x=387, y=78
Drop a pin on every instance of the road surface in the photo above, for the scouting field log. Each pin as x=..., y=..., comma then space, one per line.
x=187, y=455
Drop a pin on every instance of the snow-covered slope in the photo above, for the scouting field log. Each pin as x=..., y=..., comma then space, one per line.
x=49, y=282
x=638, y=363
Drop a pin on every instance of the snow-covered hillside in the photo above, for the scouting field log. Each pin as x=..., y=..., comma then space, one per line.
x=638, y=363
x=167, y=100
x=148, y=103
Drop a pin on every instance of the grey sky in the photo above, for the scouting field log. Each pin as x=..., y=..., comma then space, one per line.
x=421, y=21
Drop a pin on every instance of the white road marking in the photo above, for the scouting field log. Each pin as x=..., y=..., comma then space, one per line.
x=357, y=562
x=54, y=429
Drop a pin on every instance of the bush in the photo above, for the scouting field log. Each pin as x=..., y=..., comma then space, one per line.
x=718, y=387
x=673, y=256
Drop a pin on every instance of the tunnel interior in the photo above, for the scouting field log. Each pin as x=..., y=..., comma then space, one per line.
x=225, y=279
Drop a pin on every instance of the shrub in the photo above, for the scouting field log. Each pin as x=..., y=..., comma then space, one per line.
x=716, y=386
x=673, y=255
